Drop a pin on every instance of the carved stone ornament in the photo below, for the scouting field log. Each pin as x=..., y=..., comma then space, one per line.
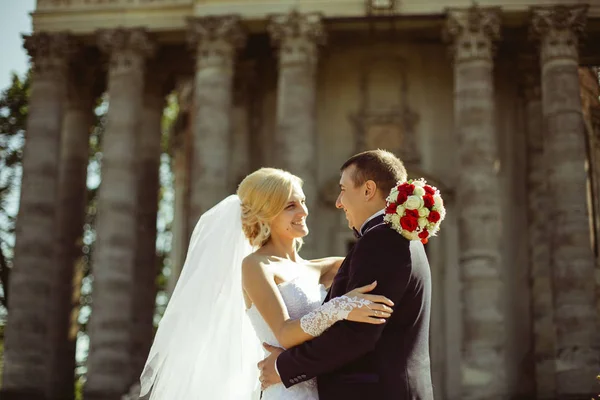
x=545, y=19
x=392, y=129
x=128, y=48
x=472, y=32
x=298, y=35
x=297, y=25
x=558, y=29
x=385, y=119
x=215, y=39
x=50, y=52
x=136, y=40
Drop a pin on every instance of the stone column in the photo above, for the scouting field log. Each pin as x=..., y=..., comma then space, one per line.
x=539, y=245
x=146, y=262
x=181, y=163
x=72, y=191
x=298, y=37
x=571, y=258
x=595, y=116
x=27, y=333
x=110, y=361
x=215, y=40
x=472, y=32
x=181, y=233
x=244, y=88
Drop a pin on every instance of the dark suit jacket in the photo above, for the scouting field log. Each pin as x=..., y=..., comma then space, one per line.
x=354, y=360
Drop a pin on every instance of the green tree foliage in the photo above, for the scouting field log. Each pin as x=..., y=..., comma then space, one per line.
x=13, y=117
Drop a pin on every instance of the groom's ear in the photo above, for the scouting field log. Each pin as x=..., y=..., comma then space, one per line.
x=370, y=189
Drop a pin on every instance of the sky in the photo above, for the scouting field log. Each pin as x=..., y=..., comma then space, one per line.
x=14, y=20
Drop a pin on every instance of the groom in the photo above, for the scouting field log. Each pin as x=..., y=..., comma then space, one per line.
x=363, y=361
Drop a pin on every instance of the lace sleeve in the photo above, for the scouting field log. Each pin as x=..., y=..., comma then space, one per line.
x=337, y=309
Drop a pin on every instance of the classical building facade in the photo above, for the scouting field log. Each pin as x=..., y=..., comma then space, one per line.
x=495, y=104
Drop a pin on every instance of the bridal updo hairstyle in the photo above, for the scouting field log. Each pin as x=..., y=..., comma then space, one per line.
x=264, y=194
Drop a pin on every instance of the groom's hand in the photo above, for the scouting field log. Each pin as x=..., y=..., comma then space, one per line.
x=268, y=374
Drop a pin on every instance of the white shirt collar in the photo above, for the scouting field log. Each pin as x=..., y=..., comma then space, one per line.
x=378, y=213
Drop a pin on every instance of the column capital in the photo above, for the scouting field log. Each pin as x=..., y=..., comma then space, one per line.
x=215, y=39
x=558, y=29
x=296, y=25
x=472, y=32
x=135, y=40
x=547, y=19
x=50, y=52
x=128, y=48
x=298, y=36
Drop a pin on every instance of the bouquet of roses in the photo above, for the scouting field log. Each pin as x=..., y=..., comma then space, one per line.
x=415, y=210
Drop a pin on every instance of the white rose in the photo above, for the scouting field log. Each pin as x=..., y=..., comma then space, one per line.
x=414, y=202
x=423, y=212
x=419, y=191
x=418, y=183
x=400, y=210
x=422, y=222
x=395, y=218
x=393, y=195
x=438, y=202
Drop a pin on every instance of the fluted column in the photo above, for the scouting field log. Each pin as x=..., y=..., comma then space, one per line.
x=27, y=333
x=571, y=258
x=473, y=32
x=298, y=37
x=244, y=91
x=110, y=361
x=180, y=147
x=72, y=192
x=215, y=40
x=146, y=262
x=538, y=227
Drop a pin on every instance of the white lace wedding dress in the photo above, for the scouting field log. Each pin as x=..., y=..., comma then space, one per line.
x=301, y=296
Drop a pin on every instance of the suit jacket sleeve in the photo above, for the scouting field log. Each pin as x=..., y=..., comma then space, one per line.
x=377, y=257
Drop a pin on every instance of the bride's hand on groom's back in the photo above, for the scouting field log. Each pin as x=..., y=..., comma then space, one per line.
x=369, y=308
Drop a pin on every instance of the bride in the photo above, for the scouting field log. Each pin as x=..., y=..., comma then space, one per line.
x=244, y=283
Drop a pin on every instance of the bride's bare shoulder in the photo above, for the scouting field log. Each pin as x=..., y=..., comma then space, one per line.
x=255, y=263
x=327, y=268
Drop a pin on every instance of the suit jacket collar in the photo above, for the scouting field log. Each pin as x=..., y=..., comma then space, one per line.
x=370, y=224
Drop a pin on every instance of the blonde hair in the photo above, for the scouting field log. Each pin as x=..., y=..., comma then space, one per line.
x=264, y=194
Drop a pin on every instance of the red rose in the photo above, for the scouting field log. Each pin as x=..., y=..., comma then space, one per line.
x=409, y=223
x=424, y=234
x=429, y=190
x=402, y=197
x=391, y=209
x=404, y=191
x=428, y=201
x=434, y=217
x=406, y=188
x=412, y=213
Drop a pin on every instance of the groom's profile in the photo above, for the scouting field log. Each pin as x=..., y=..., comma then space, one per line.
x=363, y=361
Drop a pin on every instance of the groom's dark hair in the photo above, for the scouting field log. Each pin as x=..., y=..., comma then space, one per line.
x=379, y=166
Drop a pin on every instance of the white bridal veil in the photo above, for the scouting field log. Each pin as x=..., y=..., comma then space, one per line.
x=205, y=347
